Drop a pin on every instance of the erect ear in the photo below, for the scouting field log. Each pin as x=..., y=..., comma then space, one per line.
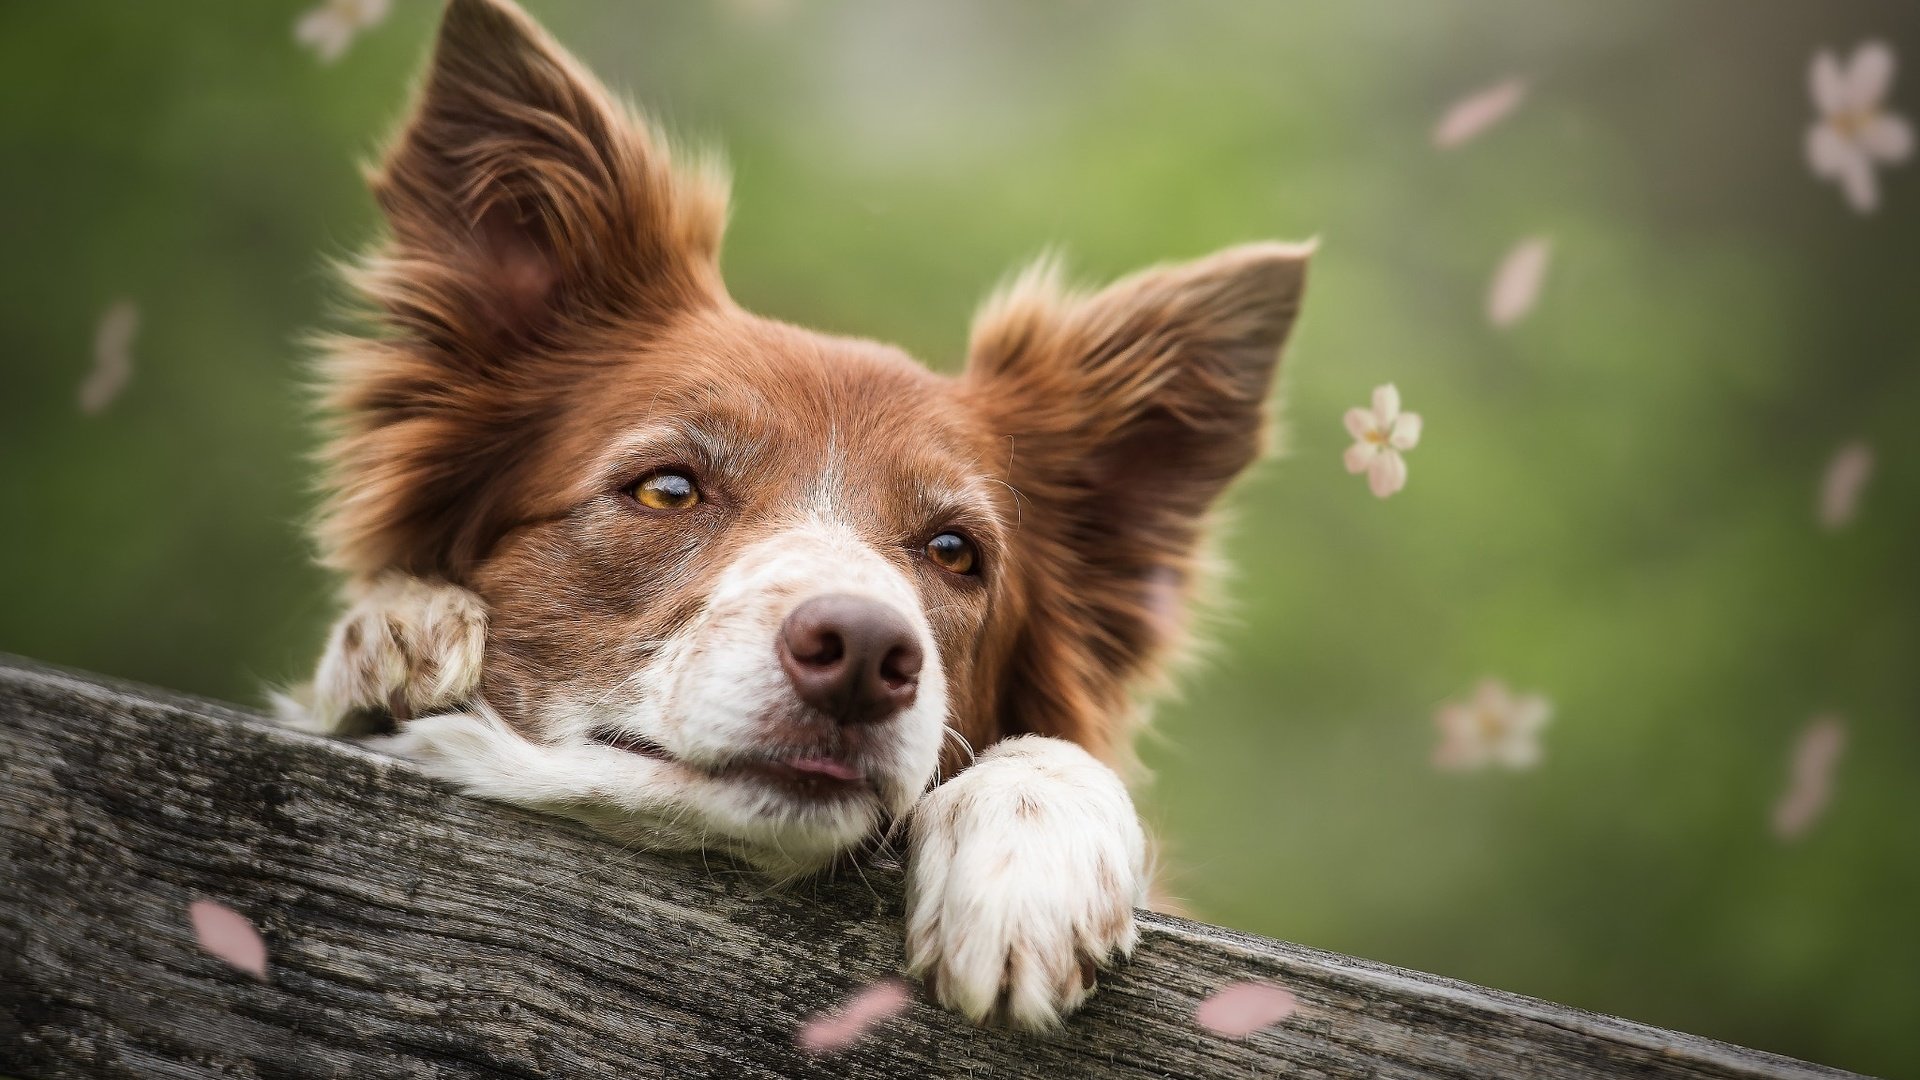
x=1128, y=412
x=520, y=194
x=526, y=208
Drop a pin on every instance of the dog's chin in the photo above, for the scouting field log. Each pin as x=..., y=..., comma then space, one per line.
x=781, y=838
x=785, y=817
x=788, y=815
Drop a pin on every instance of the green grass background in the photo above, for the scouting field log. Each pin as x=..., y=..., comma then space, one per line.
x=1612, y=504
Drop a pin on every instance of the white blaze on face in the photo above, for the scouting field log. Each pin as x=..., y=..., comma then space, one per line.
x=717, y=692
x=722, y=681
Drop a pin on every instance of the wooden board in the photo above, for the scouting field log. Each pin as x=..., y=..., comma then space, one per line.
x=415, y=932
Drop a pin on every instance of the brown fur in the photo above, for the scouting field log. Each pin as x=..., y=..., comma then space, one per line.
x=552, y=325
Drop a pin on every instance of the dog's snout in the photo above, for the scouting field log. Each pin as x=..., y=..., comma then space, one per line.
x=855, y=659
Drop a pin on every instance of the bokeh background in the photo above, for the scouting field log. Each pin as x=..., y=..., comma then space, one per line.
x=1613, y=505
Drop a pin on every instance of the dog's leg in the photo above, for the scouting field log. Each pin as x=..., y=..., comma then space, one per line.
x=405, y=647
x=1022, y=879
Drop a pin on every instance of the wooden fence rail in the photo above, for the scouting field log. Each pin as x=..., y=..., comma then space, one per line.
x=415, y=932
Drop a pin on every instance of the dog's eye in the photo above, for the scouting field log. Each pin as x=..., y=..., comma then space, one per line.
x=954, y=553
x=666, y=490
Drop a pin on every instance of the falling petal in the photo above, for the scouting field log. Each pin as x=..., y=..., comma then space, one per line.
x=331, y=27
x=1887, y=138
x=1492, y=726
x=1406, y=431
x=1810, y=781
x=1869, y=76
x=1828, y=82
x=1243, y=1008
x=1473, y=115
x=1860, y=184
x=1829, y=153
x=112, y=357
x=837, y=1030
x=1360, y=423
x=1516, y=284
x=1840, y=488
x=225, y=933
x=1386, y=473
x=1386, y=406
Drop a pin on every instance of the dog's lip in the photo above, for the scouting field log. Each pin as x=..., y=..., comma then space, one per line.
x=823, y=765
x=631, y=743
x=807, y=777
x=808, y=772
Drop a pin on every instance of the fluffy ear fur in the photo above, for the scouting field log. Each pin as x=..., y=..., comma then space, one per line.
x=1127, y=411
x=525, y=207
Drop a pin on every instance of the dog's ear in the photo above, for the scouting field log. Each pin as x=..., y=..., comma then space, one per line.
x=1127, y=412
x=525, y=208
x=520, y=194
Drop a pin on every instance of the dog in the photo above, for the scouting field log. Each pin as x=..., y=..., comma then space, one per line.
x=618, y=549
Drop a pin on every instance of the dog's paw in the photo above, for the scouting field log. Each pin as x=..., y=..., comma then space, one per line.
x=406, y=647
x=1022, y=879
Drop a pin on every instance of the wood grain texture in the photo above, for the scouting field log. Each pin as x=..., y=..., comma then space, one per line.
x=414, y=932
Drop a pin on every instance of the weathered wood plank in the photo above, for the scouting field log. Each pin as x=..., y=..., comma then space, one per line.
x=414, y=932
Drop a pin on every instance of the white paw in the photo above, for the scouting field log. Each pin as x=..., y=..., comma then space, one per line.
x=1021, y=883
x=405, y=648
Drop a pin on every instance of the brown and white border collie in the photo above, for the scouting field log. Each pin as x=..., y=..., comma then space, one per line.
x=620, y=550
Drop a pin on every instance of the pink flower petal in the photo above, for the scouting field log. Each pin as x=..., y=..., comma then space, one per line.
x=1870, y=75
x=1359, y=423
x=1406, y=431
x=1887, y=138
x=1810, y=784
x=1861, y=186
x=1473, y=115
x=1386, y=473
x=1841, y=486
x=1828, y=151
x=1516, y=284
x=1359, y=456
x=1386, y=406
x=837, y=1030
x=1828, y=83
x=225, y=933
x=112, y=357
x=1243, y=1008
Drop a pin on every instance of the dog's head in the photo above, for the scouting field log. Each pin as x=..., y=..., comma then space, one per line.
x=750, y=577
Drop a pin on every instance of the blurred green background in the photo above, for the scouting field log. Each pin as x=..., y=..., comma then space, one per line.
x=1613, y=504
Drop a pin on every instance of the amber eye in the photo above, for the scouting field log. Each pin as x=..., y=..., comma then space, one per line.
x=666, y=490
x=954, y=553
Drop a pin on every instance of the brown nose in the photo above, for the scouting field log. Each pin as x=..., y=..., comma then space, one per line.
x=855, y=659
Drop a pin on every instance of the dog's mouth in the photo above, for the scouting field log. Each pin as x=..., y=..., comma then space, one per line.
x=808, y=775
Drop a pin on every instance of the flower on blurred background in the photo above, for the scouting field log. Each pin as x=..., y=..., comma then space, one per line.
x=1516, y=283
x=1493, y=727
x=331, y=27
x=112, y=357
x=1855, y=132
x=1380, y=435
x=1840, y=486
x=1810, y=782
x=1471, y=116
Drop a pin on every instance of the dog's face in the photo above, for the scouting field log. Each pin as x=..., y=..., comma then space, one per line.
x=756, y=561
x=747, y=581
